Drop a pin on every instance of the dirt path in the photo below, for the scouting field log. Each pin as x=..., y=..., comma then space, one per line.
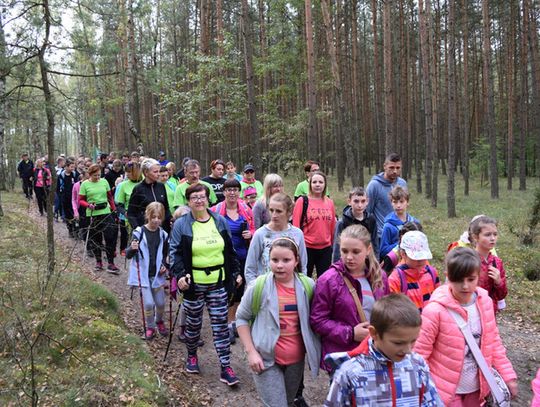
x=521, y=339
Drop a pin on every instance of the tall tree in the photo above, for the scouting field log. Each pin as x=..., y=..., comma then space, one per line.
x=510, y=38
x=378, y=82
x=452, y=111
x=311, y=84
x=490, y=129
x=390, y=137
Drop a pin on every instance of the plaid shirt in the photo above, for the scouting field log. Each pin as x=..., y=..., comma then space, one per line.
x=367, y=378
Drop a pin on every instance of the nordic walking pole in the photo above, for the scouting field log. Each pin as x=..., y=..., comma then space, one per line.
x=171, y=332
x=88, y=234
x=140, y=291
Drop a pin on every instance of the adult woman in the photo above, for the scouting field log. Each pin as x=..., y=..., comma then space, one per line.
x=95, y=195
x=203, y=259
x=317, y=220
x=257, y=261
x=240, y=219
x=272, y=185
x=149, y=190
x=122, y=196
x=42, y=184
x=216, y=180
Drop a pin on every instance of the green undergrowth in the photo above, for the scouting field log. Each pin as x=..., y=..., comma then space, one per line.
x=65, y=342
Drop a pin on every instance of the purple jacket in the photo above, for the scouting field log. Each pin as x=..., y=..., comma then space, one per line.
x=333, y=311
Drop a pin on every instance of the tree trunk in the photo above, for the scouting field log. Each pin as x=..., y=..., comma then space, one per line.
x=3, y=111
x=250, y=79
x=377, y=67
x=311, y=84
x=204, y=44
x=424, y=17
x=510, y=38
x=524, y=100
x=489, y=103
x=466, y=123
x=357, y=91
x=534, y=58
x=343, y=117
x=51, y=262
x=390, y=141
x=452, y=114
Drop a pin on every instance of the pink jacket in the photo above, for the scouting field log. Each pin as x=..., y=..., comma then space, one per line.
x=442, y=344
x=75, y=198
x=536, y=390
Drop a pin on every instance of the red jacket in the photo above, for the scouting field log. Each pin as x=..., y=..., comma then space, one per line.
x=243, y=210
x=496, y=292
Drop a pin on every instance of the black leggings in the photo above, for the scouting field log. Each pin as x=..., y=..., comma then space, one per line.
x=103, y=227
x=41, y=196
x=321, y=259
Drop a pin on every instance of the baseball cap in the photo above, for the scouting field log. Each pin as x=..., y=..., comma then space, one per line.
x=250, y=191
x=161, y=153
x=249, y=167
x=415, y=244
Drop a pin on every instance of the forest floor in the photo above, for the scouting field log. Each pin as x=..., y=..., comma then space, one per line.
x=520, y=335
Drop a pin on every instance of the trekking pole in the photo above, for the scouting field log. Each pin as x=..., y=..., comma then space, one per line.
x=87, y=236
x=171, y=331
x=140, y=292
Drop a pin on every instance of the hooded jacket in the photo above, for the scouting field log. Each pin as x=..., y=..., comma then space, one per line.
x=333, y=311
x=144, y=193
x=366, y=377
x=390, y=232
x=379, y=202
x=348, y=219
x=442, y=344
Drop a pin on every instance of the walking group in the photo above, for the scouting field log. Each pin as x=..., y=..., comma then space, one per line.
x=355, y=297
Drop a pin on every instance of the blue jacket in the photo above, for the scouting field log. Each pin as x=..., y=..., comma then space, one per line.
x=180, y=256
x=390, y=232
x=379, y=202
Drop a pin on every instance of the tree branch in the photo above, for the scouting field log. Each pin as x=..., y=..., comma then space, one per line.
x=80, y=75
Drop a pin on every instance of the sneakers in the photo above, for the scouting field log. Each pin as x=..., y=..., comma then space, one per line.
x=228, y=376
x=163, y=331
x=150, y=333
x=111, y=268
x=192, y=364
x=99, y=266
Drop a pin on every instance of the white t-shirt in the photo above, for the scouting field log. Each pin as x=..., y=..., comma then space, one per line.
x=469, y=381
x=368, y=300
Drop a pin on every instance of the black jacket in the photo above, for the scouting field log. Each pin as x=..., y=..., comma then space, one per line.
x=25, y=169
x=348, y=219
x=142, y=195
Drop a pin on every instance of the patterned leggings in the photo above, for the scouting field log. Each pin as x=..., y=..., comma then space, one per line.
x=215, y=298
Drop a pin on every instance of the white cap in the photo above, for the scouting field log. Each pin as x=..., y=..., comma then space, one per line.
x=415, y=244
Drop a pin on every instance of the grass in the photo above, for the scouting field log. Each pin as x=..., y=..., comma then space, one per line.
x=82, y=352
x=511, y=211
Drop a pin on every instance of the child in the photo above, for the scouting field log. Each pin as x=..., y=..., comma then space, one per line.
x=414, y=277
x=483, y=234
x=250, y=196
x=335, y=316
x=394, y=221
x=279, y=335
x=149, y=268
x=392, y=258
x=355, y=214
x=382, y=371
x=441, y=342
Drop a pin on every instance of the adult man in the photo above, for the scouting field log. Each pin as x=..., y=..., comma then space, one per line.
x=250, y=181
x=380, y=186
x=64, y=188
x=162, y=158
x=193, y=173
x=25, y=169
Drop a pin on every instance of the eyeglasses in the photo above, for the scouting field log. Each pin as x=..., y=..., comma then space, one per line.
x=195, y=198
x=232, y=190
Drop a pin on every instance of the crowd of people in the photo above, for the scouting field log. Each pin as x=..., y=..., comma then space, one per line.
x=355, y=296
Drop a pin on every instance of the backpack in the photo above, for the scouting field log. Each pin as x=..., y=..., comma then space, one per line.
x=403, y=279
x=259, y=285
x=303, y=217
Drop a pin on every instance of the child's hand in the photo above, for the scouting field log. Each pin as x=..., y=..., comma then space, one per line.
x=162, y=270
x=246, y=234
x=361, y=331
x=255, y=361
x=135, y=244
x=239, y=280
x=513, y=388
x=494, y=274
x=183, y=282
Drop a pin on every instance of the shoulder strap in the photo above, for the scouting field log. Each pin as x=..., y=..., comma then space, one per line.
x=303, y=218
x=257, y=294
x=354, y=295
x=477, y=353
x=432, y=272
x=308, y=288
x=403, y=280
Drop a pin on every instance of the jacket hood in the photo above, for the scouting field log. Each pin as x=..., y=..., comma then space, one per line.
x=380, y=179
x=393, y=219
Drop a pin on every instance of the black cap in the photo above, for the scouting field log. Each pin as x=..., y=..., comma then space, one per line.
x=249, y=167
x=162, y=153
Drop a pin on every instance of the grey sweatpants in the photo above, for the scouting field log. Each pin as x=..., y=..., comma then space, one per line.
x=278, y=384
x=154, y=305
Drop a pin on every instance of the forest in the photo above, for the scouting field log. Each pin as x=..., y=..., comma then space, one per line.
x=453, y=86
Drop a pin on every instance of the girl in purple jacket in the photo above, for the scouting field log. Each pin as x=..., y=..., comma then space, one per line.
x=334, y=312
